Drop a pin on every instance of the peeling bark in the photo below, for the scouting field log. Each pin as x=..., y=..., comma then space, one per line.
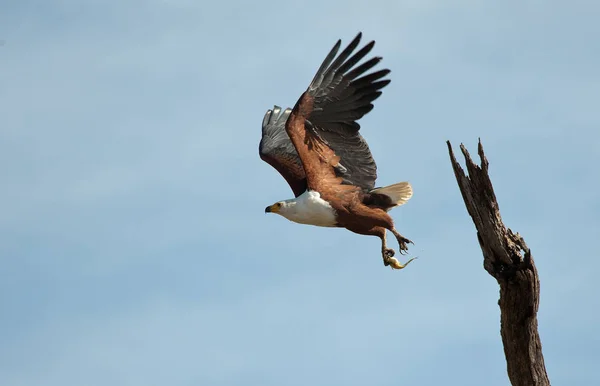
x=508, y=259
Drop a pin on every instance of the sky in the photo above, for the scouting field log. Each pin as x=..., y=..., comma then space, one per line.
x=134, y=247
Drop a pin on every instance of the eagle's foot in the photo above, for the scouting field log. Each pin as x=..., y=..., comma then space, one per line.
x=388, y=254
x=402, y=241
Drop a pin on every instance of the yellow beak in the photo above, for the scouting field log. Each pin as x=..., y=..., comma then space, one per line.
x=272, y=209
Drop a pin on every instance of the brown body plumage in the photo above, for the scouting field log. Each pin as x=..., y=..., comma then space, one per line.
x=318, y=149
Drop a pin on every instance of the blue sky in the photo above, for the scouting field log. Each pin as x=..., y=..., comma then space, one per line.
x=133, y=242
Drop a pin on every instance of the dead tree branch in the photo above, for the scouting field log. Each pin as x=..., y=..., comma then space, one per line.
x=508, y=259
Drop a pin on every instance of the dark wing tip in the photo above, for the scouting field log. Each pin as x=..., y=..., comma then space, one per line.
x=325, y=64
x=266, y=120
x=268, y=116
x=271, y=114
x=274, y=137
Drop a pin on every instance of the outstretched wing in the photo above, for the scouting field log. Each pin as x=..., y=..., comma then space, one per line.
x=337, y=97
x=341, y=97
x=277, y=149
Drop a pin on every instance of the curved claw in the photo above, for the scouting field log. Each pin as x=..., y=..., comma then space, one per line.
x=403, y=247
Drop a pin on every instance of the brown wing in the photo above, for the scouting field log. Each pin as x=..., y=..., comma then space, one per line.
x=277, y=149
x=323, y=123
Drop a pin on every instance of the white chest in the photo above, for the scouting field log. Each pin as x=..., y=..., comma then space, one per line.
x=309, y=208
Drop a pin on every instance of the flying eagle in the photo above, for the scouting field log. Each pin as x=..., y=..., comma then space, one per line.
x=317, y=148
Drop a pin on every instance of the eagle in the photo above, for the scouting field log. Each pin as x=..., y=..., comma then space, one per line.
x=318, y=149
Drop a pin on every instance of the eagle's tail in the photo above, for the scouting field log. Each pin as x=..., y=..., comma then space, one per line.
x=398, y=193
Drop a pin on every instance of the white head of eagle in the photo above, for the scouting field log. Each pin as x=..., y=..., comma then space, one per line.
x=308, y=208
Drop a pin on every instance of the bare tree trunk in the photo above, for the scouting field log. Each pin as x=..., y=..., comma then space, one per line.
x=515, y=272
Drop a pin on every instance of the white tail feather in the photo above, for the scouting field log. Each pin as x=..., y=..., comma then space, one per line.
x=399, y=193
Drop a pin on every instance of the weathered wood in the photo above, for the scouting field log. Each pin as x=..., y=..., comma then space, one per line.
x=508, y=259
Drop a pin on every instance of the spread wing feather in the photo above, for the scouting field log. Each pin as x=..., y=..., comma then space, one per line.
x=341, y=97
x=277, y=149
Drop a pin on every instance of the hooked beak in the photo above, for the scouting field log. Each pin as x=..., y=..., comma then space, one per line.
x=272, y=208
